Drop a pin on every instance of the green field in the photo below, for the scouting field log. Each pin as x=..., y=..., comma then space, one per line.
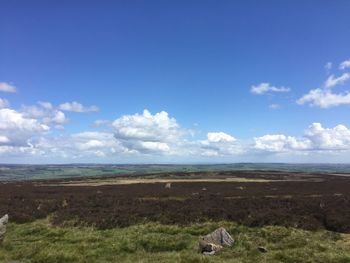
x=41, y=242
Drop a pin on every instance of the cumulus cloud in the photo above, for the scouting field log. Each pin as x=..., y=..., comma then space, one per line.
x=218, y=144
x=4, y=103
x=345, y=64
x=26, y=132
x=220, y=137
x=80, y=146
x=337, y=138
x=324, y=98
x=266, y=87
x=334, y=81
x=280, y=143
x=315, y=138
x=58, y=118
x=146, y=132
x=6, y=87
x=77, y=107
x=18, y=129
x=46, y=113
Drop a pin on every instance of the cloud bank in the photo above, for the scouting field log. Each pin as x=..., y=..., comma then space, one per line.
x=35, y=133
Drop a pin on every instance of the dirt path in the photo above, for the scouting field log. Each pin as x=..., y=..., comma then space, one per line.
x=100, y=182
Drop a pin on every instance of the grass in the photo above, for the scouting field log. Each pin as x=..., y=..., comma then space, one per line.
x=39, y=242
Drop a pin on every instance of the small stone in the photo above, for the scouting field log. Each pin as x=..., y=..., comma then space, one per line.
x=64, y=203
x=262, y=249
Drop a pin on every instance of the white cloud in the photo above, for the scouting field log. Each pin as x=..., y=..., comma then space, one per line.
x=19, y=129
x=217, y=144
x=46, y=105
x=45, y=113
x=77, y=107
x=324, y=98
x=280, y=143
x=11, y=119
x=220, y=137
x=59, y=118
x=333, y=81
x=155, y=137
x=6, y=87
x=4, y=103
x=80, y=146
x=146, y=132
x=336, y=138
x=266, y=87
x=4, y=139
x=274, y=106
x=345, y=64
x=99, y=123
x=316, y=138
x=328, y=66
x=155, y=146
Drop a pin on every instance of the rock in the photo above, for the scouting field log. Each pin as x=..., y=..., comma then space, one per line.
x=64, y=203
x=167, y=185
x=3, y=222
x=208, y=248
x=215, y=241
x=262, y=249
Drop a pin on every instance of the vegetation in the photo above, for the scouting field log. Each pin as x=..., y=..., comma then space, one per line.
x=40, y=242
x=10, y=172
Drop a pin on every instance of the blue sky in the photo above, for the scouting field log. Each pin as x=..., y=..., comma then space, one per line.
x=195, y=60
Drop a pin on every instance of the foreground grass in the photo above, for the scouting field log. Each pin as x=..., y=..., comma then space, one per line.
x=40, y=242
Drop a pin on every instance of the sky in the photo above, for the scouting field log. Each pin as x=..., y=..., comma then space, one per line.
x=174, y=81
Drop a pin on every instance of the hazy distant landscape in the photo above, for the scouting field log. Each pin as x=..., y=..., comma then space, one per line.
x=9, y=172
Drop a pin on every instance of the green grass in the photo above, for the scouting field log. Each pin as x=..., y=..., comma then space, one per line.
x=40, y=242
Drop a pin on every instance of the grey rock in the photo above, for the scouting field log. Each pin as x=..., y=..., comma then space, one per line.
x=215, y=241
x=3, y=222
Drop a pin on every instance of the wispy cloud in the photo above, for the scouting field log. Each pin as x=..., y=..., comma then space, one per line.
x=328, y=66
x=266, y=87
x=333, y=81
x=77, y=107
x=345, y=64
x=274, y=106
